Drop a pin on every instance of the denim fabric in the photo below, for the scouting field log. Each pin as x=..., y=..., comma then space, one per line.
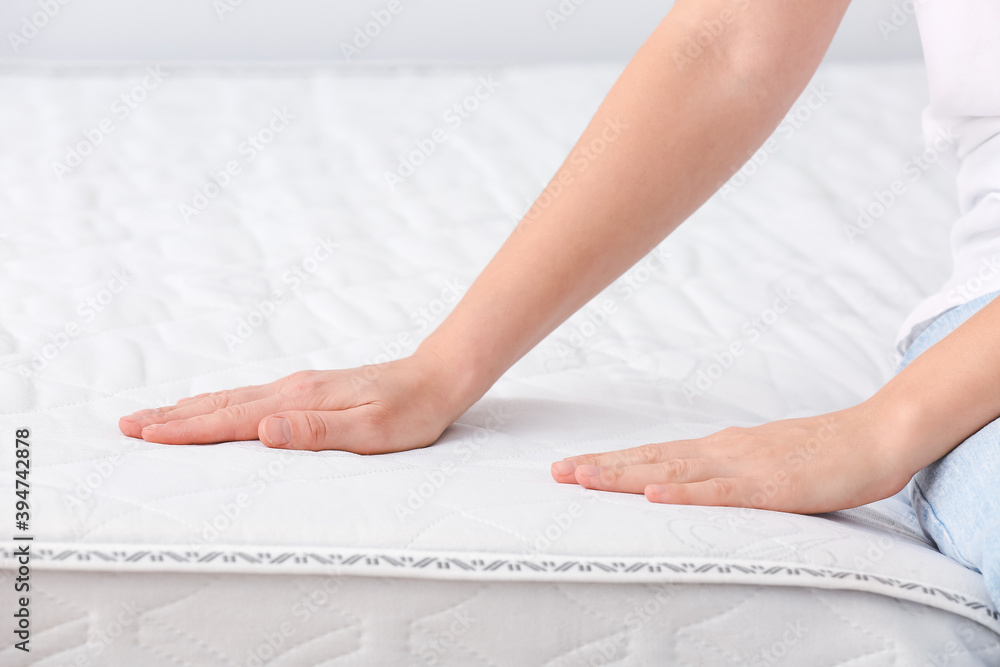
x=957, y=498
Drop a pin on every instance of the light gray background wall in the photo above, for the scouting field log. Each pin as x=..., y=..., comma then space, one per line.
x=513, y=30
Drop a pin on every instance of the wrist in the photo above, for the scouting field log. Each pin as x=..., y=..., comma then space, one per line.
x=457, y=381
x=899, y=430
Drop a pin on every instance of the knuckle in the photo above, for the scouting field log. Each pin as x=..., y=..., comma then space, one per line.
x=218, y=401
x=299, y=376
x=612, y=473
x=313, y=428
x=724, y=487
x=676, y=469
x=237, y=411
x=649, y=453
x=300, y=383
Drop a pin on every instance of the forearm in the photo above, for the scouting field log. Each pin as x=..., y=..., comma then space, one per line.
x=672, y=129
x=946, y=394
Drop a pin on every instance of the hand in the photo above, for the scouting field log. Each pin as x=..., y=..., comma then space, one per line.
x=388, y=407
x=817, y=464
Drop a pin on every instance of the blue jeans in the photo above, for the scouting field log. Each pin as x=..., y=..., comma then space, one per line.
x=956, y=499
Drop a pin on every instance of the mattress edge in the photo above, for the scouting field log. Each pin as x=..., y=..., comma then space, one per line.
x=461, y=565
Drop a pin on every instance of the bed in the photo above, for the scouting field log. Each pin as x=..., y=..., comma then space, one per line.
x=170, y=229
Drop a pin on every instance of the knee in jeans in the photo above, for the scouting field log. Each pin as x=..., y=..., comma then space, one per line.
x=940, y=519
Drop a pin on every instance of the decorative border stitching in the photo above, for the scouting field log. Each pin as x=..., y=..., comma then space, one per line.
x=396, y=564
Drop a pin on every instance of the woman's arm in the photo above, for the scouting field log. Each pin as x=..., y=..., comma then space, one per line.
x=834, y=461
x=705, y=90
x=680, y=121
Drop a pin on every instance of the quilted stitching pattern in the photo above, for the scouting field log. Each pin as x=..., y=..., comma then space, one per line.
x=197, y=619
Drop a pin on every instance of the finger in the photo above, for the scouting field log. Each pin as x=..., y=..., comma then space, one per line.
x=635, y=479
x=235, y=390
x=351, y=430
x=234, y=422
x=133, y=424
x=192, y=399
x=564, y=471
x=720, y=491
x=144, y=417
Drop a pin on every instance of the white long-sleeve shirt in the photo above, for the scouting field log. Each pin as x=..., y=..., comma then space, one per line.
x=961, y=41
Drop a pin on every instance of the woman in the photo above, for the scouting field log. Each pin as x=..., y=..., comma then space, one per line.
x=705, y=90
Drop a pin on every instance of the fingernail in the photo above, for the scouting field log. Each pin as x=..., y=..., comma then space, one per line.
x=152, y=428
x=589, y=471
x=654, y=492
x=563, y=467
x=278, y=431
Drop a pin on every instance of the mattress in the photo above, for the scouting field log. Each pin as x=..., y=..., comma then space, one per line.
x=174, y=229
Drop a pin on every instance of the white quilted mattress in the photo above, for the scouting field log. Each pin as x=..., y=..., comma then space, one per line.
x=117, y=297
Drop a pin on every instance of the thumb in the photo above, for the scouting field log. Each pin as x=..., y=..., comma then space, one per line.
x=348, y=430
